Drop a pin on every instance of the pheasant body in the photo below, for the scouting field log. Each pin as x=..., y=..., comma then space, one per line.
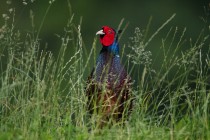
x=109, y=86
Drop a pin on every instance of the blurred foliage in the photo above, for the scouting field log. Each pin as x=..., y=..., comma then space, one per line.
x=96, y=13
x=191, y=15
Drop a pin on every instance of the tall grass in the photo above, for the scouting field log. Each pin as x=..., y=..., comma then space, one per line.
x=42, y=96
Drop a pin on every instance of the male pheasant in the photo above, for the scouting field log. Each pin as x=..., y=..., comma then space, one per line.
x=109, y=86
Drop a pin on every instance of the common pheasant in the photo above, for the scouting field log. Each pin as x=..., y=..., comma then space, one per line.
x=109, y=85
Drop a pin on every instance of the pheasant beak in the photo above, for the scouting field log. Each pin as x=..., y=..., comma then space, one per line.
x=101, y=32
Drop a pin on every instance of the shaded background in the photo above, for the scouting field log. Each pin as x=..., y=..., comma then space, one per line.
x=95, y=13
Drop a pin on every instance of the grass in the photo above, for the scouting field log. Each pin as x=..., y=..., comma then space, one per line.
x=42, y=96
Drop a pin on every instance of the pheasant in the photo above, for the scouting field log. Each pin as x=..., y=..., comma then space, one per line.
x=109, y=86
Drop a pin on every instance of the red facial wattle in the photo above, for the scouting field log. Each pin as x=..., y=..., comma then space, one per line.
x=108, y=37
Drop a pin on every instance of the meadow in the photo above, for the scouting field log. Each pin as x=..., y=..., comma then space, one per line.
x=42, y=95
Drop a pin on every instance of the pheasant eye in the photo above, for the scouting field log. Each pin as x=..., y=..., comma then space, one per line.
x=109, y=31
